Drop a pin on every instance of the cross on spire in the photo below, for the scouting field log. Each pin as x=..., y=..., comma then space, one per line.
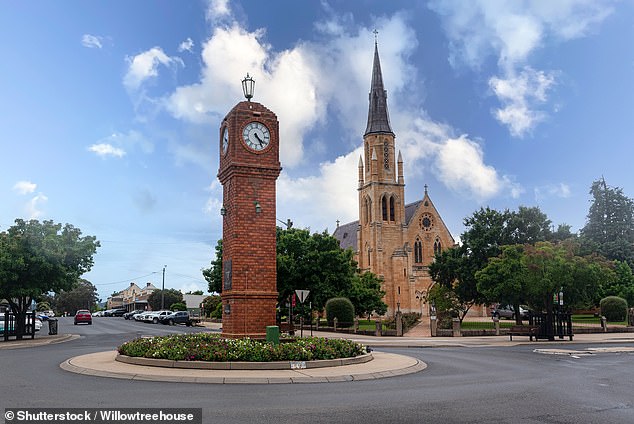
x=376, y=35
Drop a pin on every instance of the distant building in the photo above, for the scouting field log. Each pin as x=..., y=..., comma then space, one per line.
x=193, y=302
x=131, y=298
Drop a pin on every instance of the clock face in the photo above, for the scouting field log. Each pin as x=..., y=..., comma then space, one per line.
x=225, y=140
x=256, y=135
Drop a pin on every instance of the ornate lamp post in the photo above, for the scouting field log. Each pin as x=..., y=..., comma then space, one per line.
x=248, y=86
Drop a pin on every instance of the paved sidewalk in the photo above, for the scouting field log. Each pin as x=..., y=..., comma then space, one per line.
x=39, y=340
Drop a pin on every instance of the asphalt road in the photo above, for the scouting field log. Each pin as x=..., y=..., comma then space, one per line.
x=460, y=385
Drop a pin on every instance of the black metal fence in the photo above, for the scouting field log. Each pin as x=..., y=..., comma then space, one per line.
x=9, y=327
x=557, y=324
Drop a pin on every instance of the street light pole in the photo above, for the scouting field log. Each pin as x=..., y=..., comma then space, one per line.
x=163, y=289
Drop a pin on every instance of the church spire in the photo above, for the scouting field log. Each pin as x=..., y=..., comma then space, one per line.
x=378, y=119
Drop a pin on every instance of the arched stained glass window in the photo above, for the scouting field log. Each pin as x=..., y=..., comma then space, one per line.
x=391, y=208
x=418, y=251
x=384, y=207
x=437, y=246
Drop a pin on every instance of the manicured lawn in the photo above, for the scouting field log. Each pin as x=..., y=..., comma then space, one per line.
x=591, y=319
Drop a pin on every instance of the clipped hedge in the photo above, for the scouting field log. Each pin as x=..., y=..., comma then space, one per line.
x=614, y=308
x=342, y=309
x=215, y=348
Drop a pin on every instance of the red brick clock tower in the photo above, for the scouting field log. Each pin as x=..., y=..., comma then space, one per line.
x=249, y=167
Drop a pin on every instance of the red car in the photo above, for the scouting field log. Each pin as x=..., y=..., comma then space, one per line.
x=83, y=315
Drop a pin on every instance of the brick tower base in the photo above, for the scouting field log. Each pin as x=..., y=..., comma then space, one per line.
x=250, y=313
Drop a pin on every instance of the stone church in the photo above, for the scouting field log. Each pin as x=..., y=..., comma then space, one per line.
x=394, y=240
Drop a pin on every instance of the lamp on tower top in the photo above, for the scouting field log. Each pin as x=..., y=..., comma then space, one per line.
x=248, y=85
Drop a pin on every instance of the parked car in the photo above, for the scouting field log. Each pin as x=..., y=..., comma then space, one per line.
x=83, y=315
x=155, y=316
x=178, y=317
x=118, y=312
x=507, y=311
x=97, y=314
x=130, y=314
x=141, y=316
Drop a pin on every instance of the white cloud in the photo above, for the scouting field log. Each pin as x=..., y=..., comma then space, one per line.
x=24, y=187
x=322, y=199
x=92, y=41
x=217, y=9
x=118, y=144
x=32, y=208
x=104, y=150
x=561, y=190
x=186, y=45
x=145, y=65
x=520, y=96
x=513, y=30
x=461, y=166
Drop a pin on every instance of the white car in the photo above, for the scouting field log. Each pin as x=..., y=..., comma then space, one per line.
x=97, y=314
x=155, y=316
x=37, y=324
x=140, y=316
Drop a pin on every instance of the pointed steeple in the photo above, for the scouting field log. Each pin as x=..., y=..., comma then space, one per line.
x=378, y=119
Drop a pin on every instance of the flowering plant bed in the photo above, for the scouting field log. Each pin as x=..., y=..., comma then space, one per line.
x=215, y=348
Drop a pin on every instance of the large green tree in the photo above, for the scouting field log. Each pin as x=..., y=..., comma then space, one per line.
x=609, y=227
x=312, y=262
x=82, y=296
x=168, y=297
x=553, y=268
x=622, y=285
x=504, y=278
x=487, y=231
x=40, y=257
x=366, y=295
x=213, y=274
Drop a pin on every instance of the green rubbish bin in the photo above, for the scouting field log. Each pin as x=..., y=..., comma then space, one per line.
x=273, y=334
x=52, y=327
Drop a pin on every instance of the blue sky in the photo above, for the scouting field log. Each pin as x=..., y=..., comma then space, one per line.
x=110, y=113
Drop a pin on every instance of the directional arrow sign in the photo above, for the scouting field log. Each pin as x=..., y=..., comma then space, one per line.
x=302, y=295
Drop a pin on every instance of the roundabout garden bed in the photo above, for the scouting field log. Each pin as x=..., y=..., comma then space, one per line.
x=207, y=347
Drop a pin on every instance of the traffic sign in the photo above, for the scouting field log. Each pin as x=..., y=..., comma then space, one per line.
x=302, y=295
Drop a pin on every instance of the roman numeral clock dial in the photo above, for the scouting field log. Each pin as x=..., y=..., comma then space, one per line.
x=256, y=136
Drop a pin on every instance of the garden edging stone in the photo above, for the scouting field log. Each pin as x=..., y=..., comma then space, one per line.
x=274, y=365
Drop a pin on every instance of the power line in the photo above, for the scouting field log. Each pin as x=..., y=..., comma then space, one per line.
x=126, y=280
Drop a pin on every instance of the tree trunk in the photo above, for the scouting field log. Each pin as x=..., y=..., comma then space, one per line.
x=19, y=309
x=518, y=316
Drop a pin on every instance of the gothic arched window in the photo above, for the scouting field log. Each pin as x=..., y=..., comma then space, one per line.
x=418, y=251
x=391, y=208
x=437, y=247
x=384, y=208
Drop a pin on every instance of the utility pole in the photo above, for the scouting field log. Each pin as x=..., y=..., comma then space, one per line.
x=288, y=223
x=163, y=289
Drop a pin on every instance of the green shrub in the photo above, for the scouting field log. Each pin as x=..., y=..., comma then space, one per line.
x=178, y=306
x=215, y=348
x=342, y=309
x=217, y=312
x=614, y=308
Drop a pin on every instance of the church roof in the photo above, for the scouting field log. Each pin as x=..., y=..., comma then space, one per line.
x=347, y=233
x=378, y=119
